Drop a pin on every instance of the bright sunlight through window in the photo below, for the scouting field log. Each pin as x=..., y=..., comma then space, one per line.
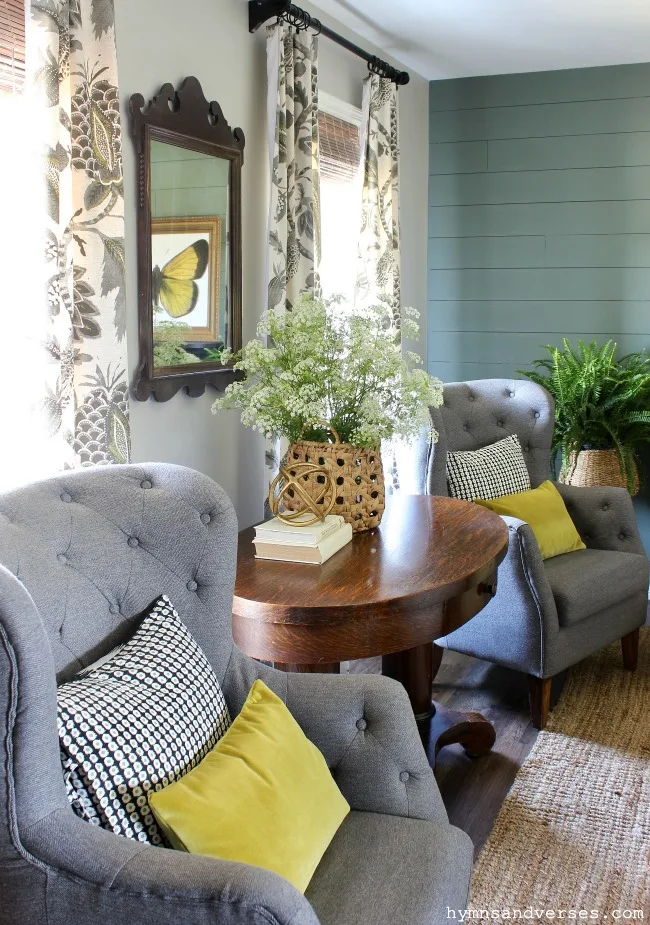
x=27, y=449
x=340, y=194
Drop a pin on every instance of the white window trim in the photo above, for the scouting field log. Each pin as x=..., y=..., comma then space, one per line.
x=333, y=106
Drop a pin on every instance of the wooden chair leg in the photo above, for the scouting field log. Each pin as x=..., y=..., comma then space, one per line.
x=539, y=695
x=630, y=646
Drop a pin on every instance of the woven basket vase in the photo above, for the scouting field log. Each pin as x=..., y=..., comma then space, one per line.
x=357, y=473
x=597, y=467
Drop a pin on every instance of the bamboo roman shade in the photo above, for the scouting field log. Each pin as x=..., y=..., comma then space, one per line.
x=12, y=46
x=339, y=147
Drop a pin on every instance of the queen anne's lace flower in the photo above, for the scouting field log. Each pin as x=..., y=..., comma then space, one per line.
x=327, y=363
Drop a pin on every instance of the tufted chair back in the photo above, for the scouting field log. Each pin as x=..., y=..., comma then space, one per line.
x=80, y=556
x=478, y=413
x=94, y=547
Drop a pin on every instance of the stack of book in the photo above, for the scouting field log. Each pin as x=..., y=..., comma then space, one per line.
x=294, y=542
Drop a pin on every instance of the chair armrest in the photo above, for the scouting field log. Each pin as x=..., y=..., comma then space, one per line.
x=515, y=627
x=364, y=726
x=604, y=517
x=522, y=573
x=96, y=877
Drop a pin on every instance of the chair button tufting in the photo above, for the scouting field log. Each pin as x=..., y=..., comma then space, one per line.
x=605, y=506
x=66, y=497
x=62, y=558
x=537, y=414
x=114, y=608
x=470, y=398
x=133, y=542
x=465, y=426
x=527, y=448
x=192, y=585
x=145, y=483
x=499, y=423
x=361, y=724
x=511, y=394
x=621, y=536
x=205, y=518
x=404, y=776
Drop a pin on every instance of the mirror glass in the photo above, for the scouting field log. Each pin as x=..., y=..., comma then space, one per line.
x=190, y=263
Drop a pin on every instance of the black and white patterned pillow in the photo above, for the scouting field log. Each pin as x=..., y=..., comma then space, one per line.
x=137, y=720
x=491, y=472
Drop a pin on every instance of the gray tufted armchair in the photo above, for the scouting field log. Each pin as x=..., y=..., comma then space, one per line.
x=81, y=556
x=547, y=615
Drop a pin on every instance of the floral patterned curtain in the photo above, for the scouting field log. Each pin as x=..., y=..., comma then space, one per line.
x=294, y=216
x=72, y=84
x=294, y=221
x=378, y=277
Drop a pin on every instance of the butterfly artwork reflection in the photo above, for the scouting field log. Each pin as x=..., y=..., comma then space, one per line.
x=188, y=290
x=174, y=286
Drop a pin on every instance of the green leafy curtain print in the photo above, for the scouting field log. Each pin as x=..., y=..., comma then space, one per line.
x=378, y=277
x=72, y=80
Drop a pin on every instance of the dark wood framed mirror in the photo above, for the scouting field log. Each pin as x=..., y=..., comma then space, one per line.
x=189, y=241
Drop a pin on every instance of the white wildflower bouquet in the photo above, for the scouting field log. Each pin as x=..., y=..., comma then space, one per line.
x=327, y=364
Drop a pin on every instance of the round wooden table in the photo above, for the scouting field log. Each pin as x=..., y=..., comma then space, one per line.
x=428, y=568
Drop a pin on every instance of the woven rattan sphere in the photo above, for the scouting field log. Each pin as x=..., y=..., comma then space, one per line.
x=310, y=489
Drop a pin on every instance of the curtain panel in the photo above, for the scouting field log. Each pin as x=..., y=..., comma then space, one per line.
x=294, y=215
x=378, y=277
x=72, y=87
x=294, y=220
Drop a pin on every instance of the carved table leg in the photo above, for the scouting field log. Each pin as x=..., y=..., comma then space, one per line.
x=416, y=669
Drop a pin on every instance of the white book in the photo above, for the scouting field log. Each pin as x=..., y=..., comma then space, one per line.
x=293, y=534
x=313, y=555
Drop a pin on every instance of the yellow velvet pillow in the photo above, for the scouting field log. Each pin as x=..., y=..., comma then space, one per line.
x=263, y=796
x=545, y=511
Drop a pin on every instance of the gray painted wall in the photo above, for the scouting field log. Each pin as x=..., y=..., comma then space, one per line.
x=211, y=41
x=539, y=218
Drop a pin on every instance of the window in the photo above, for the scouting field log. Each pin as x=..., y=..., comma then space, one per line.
x=21, y=247
x=12, y=46
x=340, y=194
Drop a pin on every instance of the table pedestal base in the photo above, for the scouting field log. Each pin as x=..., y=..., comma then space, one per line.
x=416, y=669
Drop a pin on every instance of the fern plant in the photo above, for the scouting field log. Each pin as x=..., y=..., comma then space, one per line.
x=600, y=402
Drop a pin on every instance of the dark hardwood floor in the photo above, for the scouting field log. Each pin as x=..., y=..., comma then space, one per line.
x=474, y=789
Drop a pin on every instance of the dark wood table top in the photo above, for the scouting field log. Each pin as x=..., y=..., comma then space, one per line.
x=387, y=586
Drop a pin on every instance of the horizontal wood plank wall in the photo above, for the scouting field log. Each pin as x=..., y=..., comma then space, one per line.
x=539, y=219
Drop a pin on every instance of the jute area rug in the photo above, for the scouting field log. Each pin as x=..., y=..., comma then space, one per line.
x=574, y=831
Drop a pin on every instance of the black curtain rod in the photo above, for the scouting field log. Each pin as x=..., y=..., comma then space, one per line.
x=260, y=11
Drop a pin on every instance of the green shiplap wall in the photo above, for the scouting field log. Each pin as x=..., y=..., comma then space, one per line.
x=539, y=218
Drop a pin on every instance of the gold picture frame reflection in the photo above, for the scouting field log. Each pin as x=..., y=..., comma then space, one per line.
x=186, y=275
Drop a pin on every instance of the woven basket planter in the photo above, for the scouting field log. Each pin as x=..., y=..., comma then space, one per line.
x=357, y=473
x=597, y=467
